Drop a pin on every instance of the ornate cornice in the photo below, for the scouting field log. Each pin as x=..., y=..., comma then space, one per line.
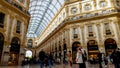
x=93, y=14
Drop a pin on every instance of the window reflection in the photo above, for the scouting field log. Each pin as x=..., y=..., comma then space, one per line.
x=90, y=31
x=18, y=27
x=75, y=31
x=2, y=16
x=107, y=29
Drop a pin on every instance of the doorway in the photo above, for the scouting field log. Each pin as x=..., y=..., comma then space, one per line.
x=75, y=45
x=14, y=51
x=93, y=50
x=110, y=45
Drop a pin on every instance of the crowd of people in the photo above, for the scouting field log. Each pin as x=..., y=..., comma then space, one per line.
x=107, y=59
x=47, y=59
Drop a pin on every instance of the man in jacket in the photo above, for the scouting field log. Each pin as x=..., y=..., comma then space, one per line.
x=41, y=58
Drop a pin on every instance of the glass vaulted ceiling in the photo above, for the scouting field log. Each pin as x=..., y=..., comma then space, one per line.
x=42, y=12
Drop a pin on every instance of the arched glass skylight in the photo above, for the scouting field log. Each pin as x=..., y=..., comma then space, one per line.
x=42, y=12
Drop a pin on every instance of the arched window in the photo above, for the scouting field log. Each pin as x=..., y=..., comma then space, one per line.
x=110, y=45
x=30, y=43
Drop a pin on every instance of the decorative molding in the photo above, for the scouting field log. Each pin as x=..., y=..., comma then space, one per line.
x=92, y=14
x=6, y=52
x=108, y=36
x=89, y=38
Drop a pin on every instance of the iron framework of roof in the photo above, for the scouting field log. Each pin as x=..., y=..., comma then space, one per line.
x=42, y=12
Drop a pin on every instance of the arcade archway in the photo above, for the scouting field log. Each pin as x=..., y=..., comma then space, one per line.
x=92, y=47
x=28, y=54
x=110, y=45
x=1, y=44
x=75, y=45
x=14, y=51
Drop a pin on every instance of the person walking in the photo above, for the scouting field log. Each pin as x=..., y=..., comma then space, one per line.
x=41, y=58
x=79, y=58
x=118, y=55
x=114, y=56
x=69, y=55
x=100, y=59
x=105, y=58
x=50, y=60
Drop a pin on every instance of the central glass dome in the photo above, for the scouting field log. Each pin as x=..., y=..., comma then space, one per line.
x=42, y=12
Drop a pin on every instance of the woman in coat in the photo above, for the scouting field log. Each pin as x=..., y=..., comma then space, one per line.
x=79, y=58
x=69, y=55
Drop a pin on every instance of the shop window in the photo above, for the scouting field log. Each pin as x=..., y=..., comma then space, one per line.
x=90, y=31
x=107, y=29
x=75, y=32
x=18, y=27
x=2, y=16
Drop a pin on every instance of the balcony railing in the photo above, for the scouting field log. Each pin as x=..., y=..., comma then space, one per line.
x=17, y=6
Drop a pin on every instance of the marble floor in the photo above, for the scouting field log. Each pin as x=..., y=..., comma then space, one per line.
x=59, y=66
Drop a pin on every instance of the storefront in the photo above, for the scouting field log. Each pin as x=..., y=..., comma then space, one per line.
x=92, y=49
x=14, y=51
x=110, y=45
x=74, y=50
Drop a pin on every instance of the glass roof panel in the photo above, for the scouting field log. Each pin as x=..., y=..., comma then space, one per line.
x=42, y=12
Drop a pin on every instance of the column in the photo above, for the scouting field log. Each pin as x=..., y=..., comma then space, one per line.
x=68, y=41
x=83, y=37
x=5, y=54
x=117, y=33
x=6, y=48
x=70, y=36
x=100, y=43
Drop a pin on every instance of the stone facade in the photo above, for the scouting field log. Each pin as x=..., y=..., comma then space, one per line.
x=14, y=20
x=94, y=24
